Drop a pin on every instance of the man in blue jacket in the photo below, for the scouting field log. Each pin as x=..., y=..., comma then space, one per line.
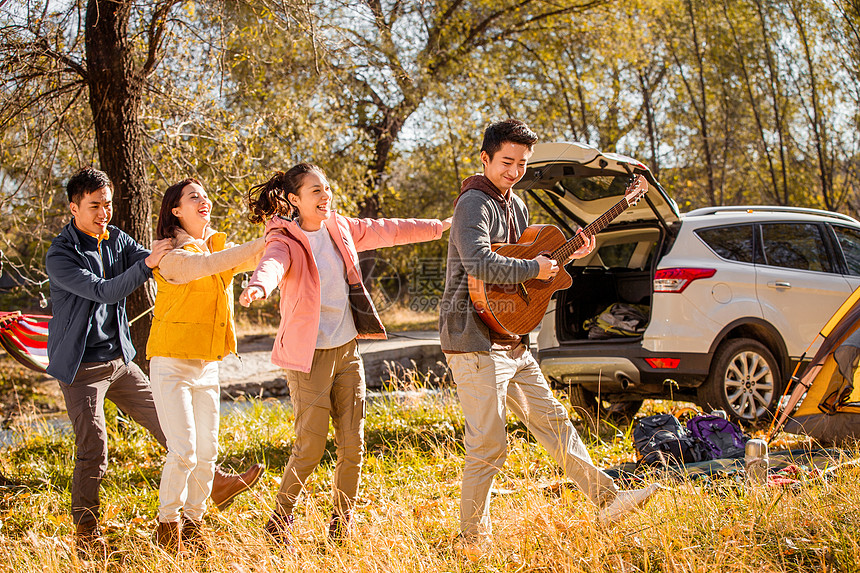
x=93, y=267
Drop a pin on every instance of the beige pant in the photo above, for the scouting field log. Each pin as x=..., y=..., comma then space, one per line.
x=487, y=382
x=334, y=387
x=188, y=401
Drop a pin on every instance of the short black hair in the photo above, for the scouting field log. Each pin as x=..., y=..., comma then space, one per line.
x=86, y=181
x=512, y=130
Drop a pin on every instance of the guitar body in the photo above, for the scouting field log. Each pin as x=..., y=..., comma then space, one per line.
x=519, y=308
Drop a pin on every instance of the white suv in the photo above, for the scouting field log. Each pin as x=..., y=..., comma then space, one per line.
x=732, y=296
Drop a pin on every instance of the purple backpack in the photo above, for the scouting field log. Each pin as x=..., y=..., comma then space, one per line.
x=719, y=436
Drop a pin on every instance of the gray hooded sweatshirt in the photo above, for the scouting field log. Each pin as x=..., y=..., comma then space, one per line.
x=479, y=221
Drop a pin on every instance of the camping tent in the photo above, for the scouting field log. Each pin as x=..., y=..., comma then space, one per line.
x=830, y=407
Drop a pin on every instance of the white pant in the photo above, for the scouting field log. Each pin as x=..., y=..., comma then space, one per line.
x=187, y=399
x=487, y=383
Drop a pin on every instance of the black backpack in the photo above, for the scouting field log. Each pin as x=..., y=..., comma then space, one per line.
x=662, y=440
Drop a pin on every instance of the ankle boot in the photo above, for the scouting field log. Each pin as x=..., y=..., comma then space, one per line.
x=192, y=534
x=225, y=487
x=279, y=527
x=90, y=541
x=338, y=525
x=168, y=536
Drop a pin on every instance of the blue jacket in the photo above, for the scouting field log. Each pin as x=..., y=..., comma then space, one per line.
x=77, y=285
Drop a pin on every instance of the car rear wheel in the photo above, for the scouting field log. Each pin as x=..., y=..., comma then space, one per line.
x=589, y=408
x=744, y=381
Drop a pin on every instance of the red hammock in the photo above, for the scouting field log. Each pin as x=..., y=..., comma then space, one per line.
x=25, y=338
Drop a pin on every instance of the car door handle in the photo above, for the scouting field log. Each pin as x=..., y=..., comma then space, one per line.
x=779, y=284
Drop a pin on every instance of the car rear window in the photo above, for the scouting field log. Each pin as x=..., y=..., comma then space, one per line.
x=795, y=246
x=734, y=243
x=596, y=187
x=849, y=240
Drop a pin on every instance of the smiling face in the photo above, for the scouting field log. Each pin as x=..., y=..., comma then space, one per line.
x=507, y=166
x=194, y=210
x=93, y=211
x=313, y=201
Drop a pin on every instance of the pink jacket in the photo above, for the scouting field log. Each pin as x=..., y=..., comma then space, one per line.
x=288, y=263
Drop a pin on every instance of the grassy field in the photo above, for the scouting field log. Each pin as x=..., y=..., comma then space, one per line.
x=407, y=517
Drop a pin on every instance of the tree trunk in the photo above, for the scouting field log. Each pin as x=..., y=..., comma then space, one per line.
x=704, y=124
x=817, y=117
x=650, y=125
x=776, y=97
x=115, y=99
x=754, y=107
x=385, y=134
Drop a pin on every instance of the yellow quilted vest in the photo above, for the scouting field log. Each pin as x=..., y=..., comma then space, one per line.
x=195, y=319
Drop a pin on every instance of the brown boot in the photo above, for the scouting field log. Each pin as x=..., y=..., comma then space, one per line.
x=279, y=527
x=90, y=541
x=192, y=535
x=338, y=526
x=168, y=536
x=225, y=486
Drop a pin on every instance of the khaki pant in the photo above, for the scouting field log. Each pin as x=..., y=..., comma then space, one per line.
x=127, y=387
x=334, y=388
x=188, y=401
x=487, y=383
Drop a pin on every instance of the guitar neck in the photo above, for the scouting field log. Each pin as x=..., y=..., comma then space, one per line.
x=563, y=252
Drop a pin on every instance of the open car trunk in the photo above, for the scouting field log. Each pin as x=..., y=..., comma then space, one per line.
x=610, y=298
x=575, y=185
x=595, y=293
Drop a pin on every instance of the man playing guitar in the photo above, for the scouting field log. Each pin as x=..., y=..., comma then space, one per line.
x=494, y=371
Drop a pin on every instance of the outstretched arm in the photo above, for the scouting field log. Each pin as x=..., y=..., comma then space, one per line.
x=271, y=269
x=180, y=266
x=368, y=234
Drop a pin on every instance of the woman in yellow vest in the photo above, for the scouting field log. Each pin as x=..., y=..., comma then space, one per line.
x=192, y=329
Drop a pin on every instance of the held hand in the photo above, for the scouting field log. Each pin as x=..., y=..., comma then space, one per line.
x=586, y=248
x=249, y=295
x=548, y=267
x=159, y=249
x=446, y=224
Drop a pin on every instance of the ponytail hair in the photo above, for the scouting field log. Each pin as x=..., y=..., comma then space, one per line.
x=168, y=223
x=271, y=198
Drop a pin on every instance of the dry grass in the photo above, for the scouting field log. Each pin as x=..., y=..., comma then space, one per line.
x=24, y=391
x=401, y=317
x=408, y=512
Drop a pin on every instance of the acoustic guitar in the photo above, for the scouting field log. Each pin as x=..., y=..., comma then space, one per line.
x=519, y=308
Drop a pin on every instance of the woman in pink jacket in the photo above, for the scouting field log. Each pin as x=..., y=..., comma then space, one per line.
x=311, y=255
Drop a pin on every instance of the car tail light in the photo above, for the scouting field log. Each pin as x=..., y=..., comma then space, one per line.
x=663, y=362
x=676, y=280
